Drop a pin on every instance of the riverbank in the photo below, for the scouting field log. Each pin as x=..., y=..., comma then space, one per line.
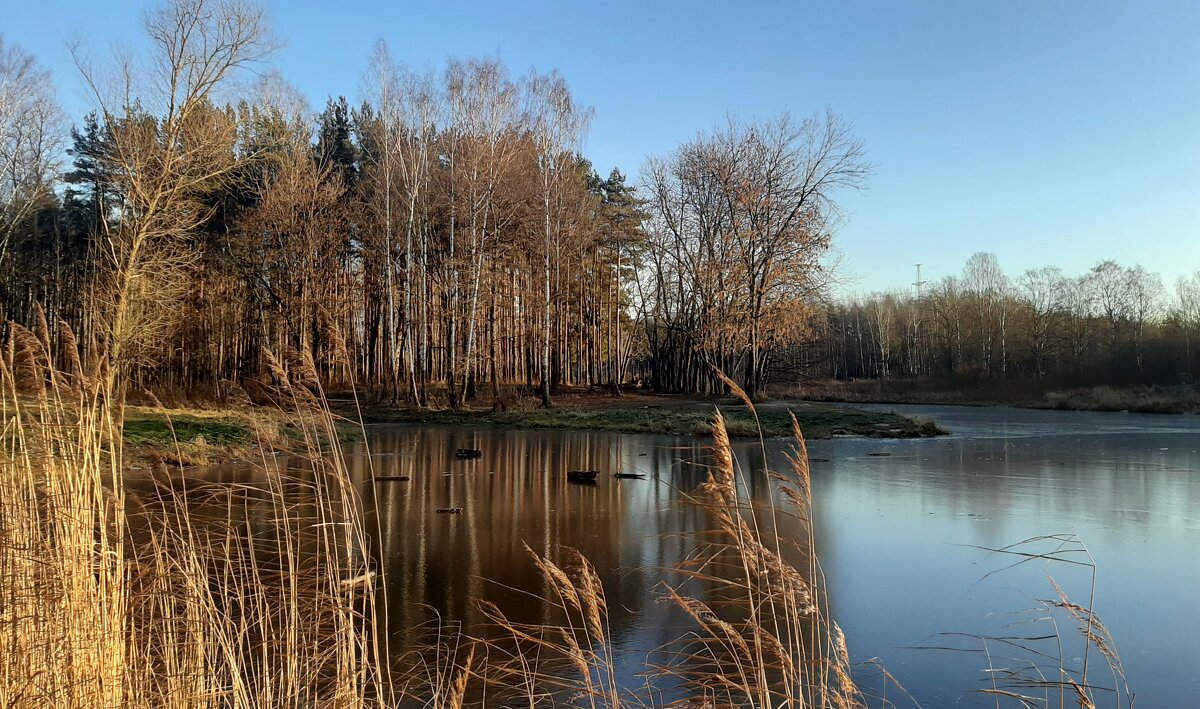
x=644, y=413
x=203, y=436
x=1180, y=399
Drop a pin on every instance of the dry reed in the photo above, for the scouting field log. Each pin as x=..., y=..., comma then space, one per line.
x=757, y=631
x=176, y=592
x=186, y=593
x=1035, y=663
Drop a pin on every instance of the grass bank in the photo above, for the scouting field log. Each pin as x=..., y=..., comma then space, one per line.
x=668, y=414
x=1180, y=399
x=1146, y=400
x=203, y=436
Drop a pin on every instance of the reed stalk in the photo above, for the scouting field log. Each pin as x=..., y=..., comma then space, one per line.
x=173, y=592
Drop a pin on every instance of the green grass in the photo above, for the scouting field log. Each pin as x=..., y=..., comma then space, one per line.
x=200, y=436
x=204, y=436
x=149, y=430
x=693, y=419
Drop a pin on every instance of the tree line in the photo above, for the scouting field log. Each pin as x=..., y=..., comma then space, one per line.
x=444, y=239
x=443, y=234
x=441, y=237
x=1113, y=324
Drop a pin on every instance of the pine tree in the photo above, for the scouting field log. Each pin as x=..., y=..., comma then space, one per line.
x=335, y=144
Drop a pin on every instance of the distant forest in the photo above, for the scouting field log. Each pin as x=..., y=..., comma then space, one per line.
x=444, y=240
x=1113, y=324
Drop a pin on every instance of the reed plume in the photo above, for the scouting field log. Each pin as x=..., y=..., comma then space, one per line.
x=169, y=591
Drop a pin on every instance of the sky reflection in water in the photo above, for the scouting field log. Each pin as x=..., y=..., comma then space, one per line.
x=898, y=534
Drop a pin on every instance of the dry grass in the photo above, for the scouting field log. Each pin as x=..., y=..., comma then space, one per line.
x=1035, y=663
x=118, y=597
x=1147, y=400
x=171, y=592
x=1178, y=399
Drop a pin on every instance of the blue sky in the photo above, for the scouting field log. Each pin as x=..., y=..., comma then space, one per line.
x=1051, y=133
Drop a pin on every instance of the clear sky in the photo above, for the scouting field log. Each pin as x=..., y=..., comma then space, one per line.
x=1051, y=133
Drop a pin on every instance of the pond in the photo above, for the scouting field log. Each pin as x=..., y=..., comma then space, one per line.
x=902, y=529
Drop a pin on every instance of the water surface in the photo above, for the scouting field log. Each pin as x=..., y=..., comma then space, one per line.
x=900, y=527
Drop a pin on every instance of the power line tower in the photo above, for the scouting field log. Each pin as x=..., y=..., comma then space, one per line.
x=918, y=283
x=917, y=359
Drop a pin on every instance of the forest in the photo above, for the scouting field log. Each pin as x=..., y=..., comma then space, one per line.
x=448, y=232
x=1112, y=325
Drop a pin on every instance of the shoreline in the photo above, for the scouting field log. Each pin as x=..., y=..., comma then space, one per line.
x=817, y=420
x=215, y=434
x=1177, y=400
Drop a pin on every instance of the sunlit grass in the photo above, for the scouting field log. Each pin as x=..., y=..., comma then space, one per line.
x=689, y=419
x=115, y=598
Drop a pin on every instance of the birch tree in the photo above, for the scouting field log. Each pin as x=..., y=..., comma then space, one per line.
x=1145, y=292
x=408, y=106
x=557, y=124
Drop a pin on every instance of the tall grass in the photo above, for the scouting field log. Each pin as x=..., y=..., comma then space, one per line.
x=1143, y=399
x=182, y=593
x=171, y=593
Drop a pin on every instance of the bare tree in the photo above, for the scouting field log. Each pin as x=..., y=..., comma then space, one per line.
x=1079, y=302
x=1110, y=285
x=988, y=286
x=779, y=179
x=1145, y=293
x=168, y=148
x=883, y=315
x=1042, y=292
x=741, y=219
x=946, y=302
x=30, y=138
x=492, y=120
x=1187, y=311
x=408, y=105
